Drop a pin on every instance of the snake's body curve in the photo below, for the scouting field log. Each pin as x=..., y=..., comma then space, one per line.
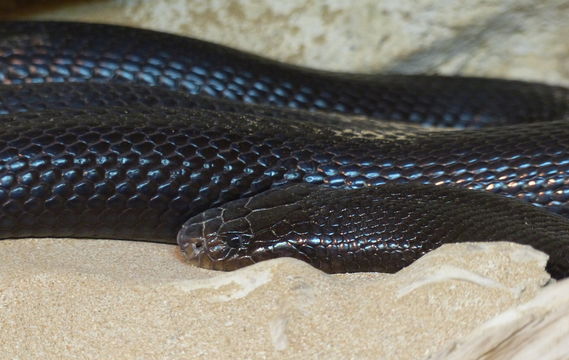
x=111, y=160
x=35, y=52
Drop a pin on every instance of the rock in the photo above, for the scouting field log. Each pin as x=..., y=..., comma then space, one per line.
x=520, y=39
x=126, y=300
x=538, y=329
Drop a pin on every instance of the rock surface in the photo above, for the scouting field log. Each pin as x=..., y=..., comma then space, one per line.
x=535, y=330
x=62, y=298
x=521, y=39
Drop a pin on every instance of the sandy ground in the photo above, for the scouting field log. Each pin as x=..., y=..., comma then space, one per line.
x=69, y=299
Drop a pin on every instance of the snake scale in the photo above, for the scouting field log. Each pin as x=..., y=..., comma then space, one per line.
x=115, y=132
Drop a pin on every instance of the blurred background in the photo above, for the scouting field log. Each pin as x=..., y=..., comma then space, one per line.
x=520, y=39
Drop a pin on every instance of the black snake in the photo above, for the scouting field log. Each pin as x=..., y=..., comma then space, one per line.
x=113, y=132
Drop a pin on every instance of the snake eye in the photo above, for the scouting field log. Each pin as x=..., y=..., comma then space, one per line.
x=237, y=240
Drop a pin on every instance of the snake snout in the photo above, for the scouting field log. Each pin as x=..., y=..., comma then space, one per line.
x=194, y=235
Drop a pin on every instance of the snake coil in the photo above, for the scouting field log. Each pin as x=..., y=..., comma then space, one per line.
x=113, y=132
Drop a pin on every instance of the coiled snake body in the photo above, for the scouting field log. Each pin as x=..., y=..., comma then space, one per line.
x=102, y=136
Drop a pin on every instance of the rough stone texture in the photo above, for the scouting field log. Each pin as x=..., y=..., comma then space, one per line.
x=521, y=39
x=535, y=330
x=103, y=299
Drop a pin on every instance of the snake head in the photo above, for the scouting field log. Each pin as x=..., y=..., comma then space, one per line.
x=244, y=231
x=383, y=228
x=214, y=241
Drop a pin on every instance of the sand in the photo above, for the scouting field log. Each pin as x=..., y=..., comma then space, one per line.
x=67, y=299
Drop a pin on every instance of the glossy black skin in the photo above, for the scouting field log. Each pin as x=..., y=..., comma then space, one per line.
x=140, y=173
x=69, y=95
x=150, y=160
x=32, y=52
x=370, y=229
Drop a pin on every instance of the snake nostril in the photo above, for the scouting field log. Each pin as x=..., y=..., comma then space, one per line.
x=194, y=250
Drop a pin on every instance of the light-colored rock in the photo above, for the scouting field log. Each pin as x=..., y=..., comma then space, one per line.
x=110, y=299
x=521, y=39
x=535, y=330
